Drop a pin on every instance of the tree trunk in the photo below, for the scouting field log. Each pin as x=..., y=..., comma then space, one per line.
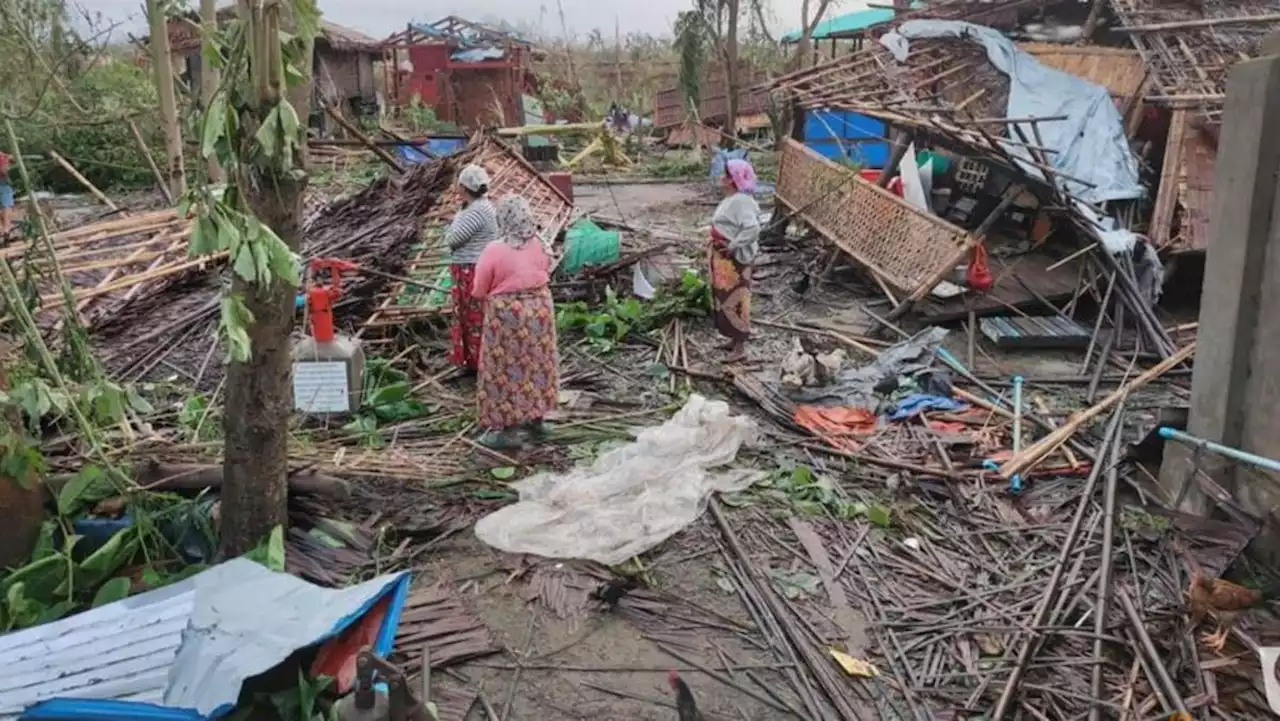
x=162, y=65
x=808, y=25
x=21, y=499
x=259, y=398
x=209, y=75
x=731, y=75
x=806, y=39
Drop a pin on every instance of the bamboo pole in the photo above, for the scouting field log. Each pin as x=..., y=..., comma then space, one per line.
x=1202, y=23
x=93, y=189
x=151, y=163
x=1035, y=453
x=365, y=140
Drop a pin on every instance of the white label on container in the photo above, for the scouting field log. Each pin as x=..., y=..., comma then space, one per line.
x=321, y=387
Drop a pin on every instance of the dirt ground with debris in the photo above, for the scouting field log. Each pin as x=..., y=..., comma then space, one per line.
x=569, y=659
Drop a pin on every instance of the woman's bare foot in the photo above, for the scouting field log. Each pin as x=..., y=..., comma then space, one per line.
x=737, y=353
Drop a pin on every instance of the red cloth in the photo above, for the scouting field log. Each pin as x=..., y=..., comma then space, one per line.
x=979, y=275
x=503, y=269
x=4, y=166
x=468, y=319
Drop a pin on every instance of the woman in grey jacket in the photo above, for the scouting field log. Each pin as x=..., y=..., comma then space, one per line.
x=471, y=230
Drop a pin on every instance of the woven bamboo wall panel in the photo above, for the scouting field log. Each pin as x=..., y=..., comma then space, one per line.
x=878, y=229
x=1118, y=70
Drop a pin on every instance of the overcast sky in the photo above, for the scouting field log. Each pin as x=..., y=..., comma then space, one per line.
x=380, y=18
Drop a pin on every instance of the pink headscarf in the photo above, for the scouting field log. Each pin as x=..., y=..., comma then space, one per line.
x=742, y=175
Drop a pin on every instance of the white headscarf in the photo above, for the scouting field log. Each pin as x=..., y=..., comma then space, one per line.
x=515, y=221
x=473, y=178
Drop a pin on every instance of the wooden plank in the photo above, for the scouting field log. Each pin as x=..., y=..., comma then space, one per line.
x=1167, y=196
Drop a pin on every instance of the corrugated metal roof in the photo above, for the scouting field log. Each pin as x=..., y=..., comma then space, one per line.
x=120, y=651
x=847, y=23
x=180, y=653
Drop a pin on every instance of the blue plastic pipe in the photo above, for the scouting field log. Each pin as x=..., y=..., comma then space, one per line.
x=1170, y=434
x=1015, y=483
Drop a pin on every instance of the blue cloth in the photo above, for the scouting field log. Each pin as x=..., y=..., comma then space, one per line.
x=6, y=196
x=916, y=403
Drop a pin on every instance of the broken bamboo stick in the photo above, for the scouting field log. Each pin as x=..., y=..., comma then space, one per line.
x=161, y=183
x=1202, y=23
x=89, y=186
x=1032, y=455
x=365, y=140
x=1051, y=588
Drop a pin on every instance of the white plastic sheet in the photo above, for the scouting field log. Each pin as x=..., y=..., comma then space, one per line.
x=631, y=498
x=1090, y=144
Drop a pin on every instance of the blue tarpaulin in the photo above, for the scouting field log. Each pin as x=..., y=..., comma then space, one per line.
x=1082, y=127
x=917, y=403
x=475, y=55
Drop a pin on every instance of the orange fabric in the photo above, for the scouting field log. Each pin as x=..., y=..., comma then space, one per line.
x=836, y=424
x=337, y=657
x=979, y=275
x=951, y=427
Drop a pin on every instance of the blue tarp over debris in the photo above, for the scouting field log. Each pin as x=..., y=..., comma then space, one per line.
x=476, y=55
x=1083, y=129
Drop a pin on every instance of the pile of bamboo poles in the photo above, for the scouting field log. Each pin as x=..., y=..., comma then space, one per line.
x=122, y=257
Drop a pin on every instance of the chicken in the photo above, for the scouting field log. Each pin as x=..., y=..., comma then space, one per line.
x=827, y=366
x=1224, y=599
x=801, y=285
x=810, y=364
x=612, y=591
x=798, y=368
x=686, y=709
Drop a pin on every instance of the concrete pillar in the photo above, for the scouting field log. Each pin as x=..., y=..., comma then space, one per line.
x=1235, y=396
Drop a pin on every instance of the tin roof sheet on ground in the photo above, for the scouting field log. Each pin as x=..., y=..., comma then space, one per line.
x=120, y=651
x=182, y=652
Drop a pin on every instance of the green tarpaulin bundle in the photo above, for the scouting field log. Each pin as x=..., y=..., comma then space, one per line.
x=586, y=243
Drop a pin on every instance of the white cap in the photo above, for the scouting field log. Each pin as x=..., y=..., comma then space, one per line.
x=473, y=178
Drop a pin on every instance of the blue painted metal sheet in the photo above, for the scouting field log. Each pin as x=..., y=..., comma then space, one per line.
x=434, y=147
x=180, y=653
x=841, y=135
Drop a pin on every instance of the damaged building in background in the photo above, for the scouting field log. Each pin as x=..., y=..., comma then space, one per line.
x=471, y=75
x=343, y=66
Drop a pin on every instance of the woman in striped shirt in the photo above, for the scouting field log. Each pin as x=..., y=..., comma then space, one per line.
x=472, y=229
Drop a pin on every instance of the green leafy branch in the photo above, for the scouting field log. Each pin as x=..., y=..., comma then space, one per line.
x=608, y=326
x=255, y=134
x=387, y=399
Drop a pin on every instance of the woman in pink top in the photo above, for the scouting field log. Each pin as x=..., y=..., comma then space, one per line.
x=519, y=364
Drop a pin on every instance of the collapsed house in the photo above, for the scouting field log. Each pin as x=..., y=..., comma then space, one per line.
x=342, y=67
x=471, y=75
x=1010, y=166
x=151, y=308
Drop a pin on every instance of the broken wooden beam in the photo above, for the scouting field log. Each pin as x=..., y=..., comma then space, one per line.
x=365, y=140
